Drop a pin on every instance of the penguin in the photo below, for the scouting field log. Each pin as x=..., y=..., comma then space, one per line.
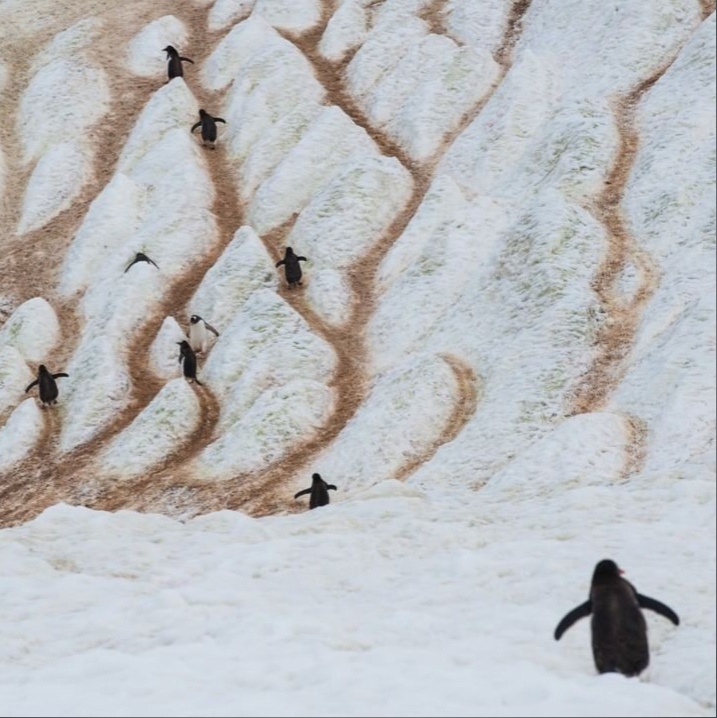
x=209, y=128
x=619, y=630
x=292, y=268
x=190, y=361
x=47, y=385
x=319, y=492
x=174, y=62
x=198, y=333
x=140, y=257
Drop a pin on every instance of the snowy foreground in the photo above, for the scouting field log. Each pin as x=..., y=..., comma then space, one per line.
x=435, y=594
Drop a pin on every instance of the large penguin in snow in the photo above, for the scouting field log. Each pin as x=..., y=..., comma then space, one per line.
x=174, y=63
x=619, y=631
x=319, y=492
x=292, y=268
x=209, y=127
x=47, y=385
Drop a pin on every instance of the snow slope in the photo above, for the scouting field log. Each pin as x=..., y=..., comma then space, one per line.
x=502, y=354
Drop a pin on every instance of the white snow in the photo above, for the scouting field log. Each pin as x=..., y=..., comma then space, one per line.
x=294, y=15
x=56, y=180
x=32, y=329
x=346, y=30
x=164, y=352
x=144, y=51
x=66, y=96
x=224, y=12
x=154, y=434
x=20, y=433
x=15, y=375
x=436, y=594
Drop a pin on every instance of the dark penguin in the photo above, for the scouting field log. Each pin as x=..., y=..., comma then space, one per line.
x=619, y=631
x=319, y=492
x=174, y=63
x=139, y=257
x=209, y=127
x=48, y=386
x=292, y=268
x=198, y=328
x=190, y=361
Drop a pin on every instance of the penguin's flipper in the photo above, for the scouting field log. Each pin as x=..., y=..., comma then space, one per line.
x=303, y=492
x=280, y=262
x=186, y=59
x=31, y=385
x=219, y=119
x=301, y=259
x=196, y=124
x=211, y=329
x=331, y=486
x=582, y=611
x=658, y=607
x=151, y=261
x=134, y=261
x=197, y=381
x=57, y=376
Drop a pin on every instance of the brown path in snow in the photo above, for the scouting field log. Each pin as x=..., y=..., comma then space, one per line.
x=623, y=312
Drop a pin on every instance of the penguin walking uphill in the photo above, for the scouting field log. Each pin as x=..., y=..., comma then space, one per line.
x=198, y=337
x=209, y=128
x=319, y=492
x=292, y=268
x=190, y=361
x=47, y=385
x=174, y=63
x=619, y=630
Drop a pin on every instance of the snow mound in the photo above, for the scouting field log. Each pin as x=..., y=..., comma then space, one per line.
x=406, y=411
x=329, y=294
x=281, y=418
x=243, y=268
x=20, y=433
x=32, y=329
x=144, y=51
x=332, y=140
x=346, y=30
x=14, y=377
x=160, y=429
x=56, y=180
x=164, y=352
x=478, y=25
x=225, y=12
x=294, y=15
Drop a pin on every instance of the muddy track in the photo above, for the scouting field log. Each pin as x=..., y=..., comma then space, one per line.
x=707, y=7
x=467, y=384
x=616, y=336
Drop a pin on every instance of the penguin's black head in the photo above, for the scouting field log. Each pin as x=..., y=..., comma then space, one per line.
x=605, y=570
x=289, y=250
x=316, y=477
x=194, y=319
x=202, y=113
x=170, y=50
x=184, y=344
x=42, y=368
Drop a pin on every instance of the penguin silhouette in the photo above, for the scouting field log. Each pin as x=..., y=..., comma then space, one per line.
x=292, y=268
x=174, y=63
x=140, y=257
x=319, y=492
x=209, y=128
x=198, y=337
x=190, y=361
x=619, y=630
x=47, y=385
